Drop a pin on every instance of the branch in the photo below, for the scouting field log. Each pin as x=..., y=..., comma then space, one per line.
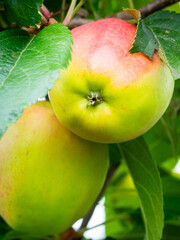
x=156, y=6
x=78, y=21
x=88, y=216
x=145, y=11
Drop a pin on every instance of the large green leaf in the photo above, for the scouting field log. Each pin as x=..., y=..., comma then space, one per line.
x=25, y=13
x=148, y=185
x=162, y=27
x=29, y=65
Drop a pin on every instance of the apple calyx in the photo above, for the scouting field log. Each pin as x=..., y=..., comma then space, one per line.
x=94, y=98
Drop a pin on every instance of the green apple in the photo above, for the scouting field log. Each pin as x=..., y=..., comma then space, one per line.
x=49, y=177
x=107, y=94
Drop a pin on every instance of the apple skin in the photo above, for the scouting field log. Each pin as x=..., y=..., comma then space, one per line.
x=107, y=94
x=49, y=177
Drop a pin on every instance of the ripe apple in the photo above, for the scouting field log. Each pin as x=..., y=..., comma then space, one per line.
x=107, y=94
x=49, y=177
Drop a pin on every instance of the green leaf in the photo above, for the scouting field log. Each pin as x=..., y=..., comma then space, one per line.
x=148, y=185
x=24, y=13
x=29, y=68
x=164, y=28
x=145, y=41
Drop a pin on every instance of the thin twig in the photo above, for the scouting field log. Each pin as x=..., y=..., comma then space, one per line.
x=88, y=216
x=60, y=12
x=120, y=216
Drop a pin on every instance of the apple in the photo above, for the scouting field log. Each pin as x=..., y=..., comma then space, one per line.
x=49, y=177
x=107, y=94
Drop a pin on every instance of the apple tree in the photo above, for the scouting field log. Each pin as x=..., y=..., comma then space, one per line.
x=142, y=184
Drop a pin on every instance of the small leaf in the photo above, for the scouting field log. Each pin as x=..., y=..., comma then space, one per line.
x=145, y=41
x=24, y=13
x=135, y=13
x=29, y=68
x=166, y=28
x=162, y=27
x=148, y=185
